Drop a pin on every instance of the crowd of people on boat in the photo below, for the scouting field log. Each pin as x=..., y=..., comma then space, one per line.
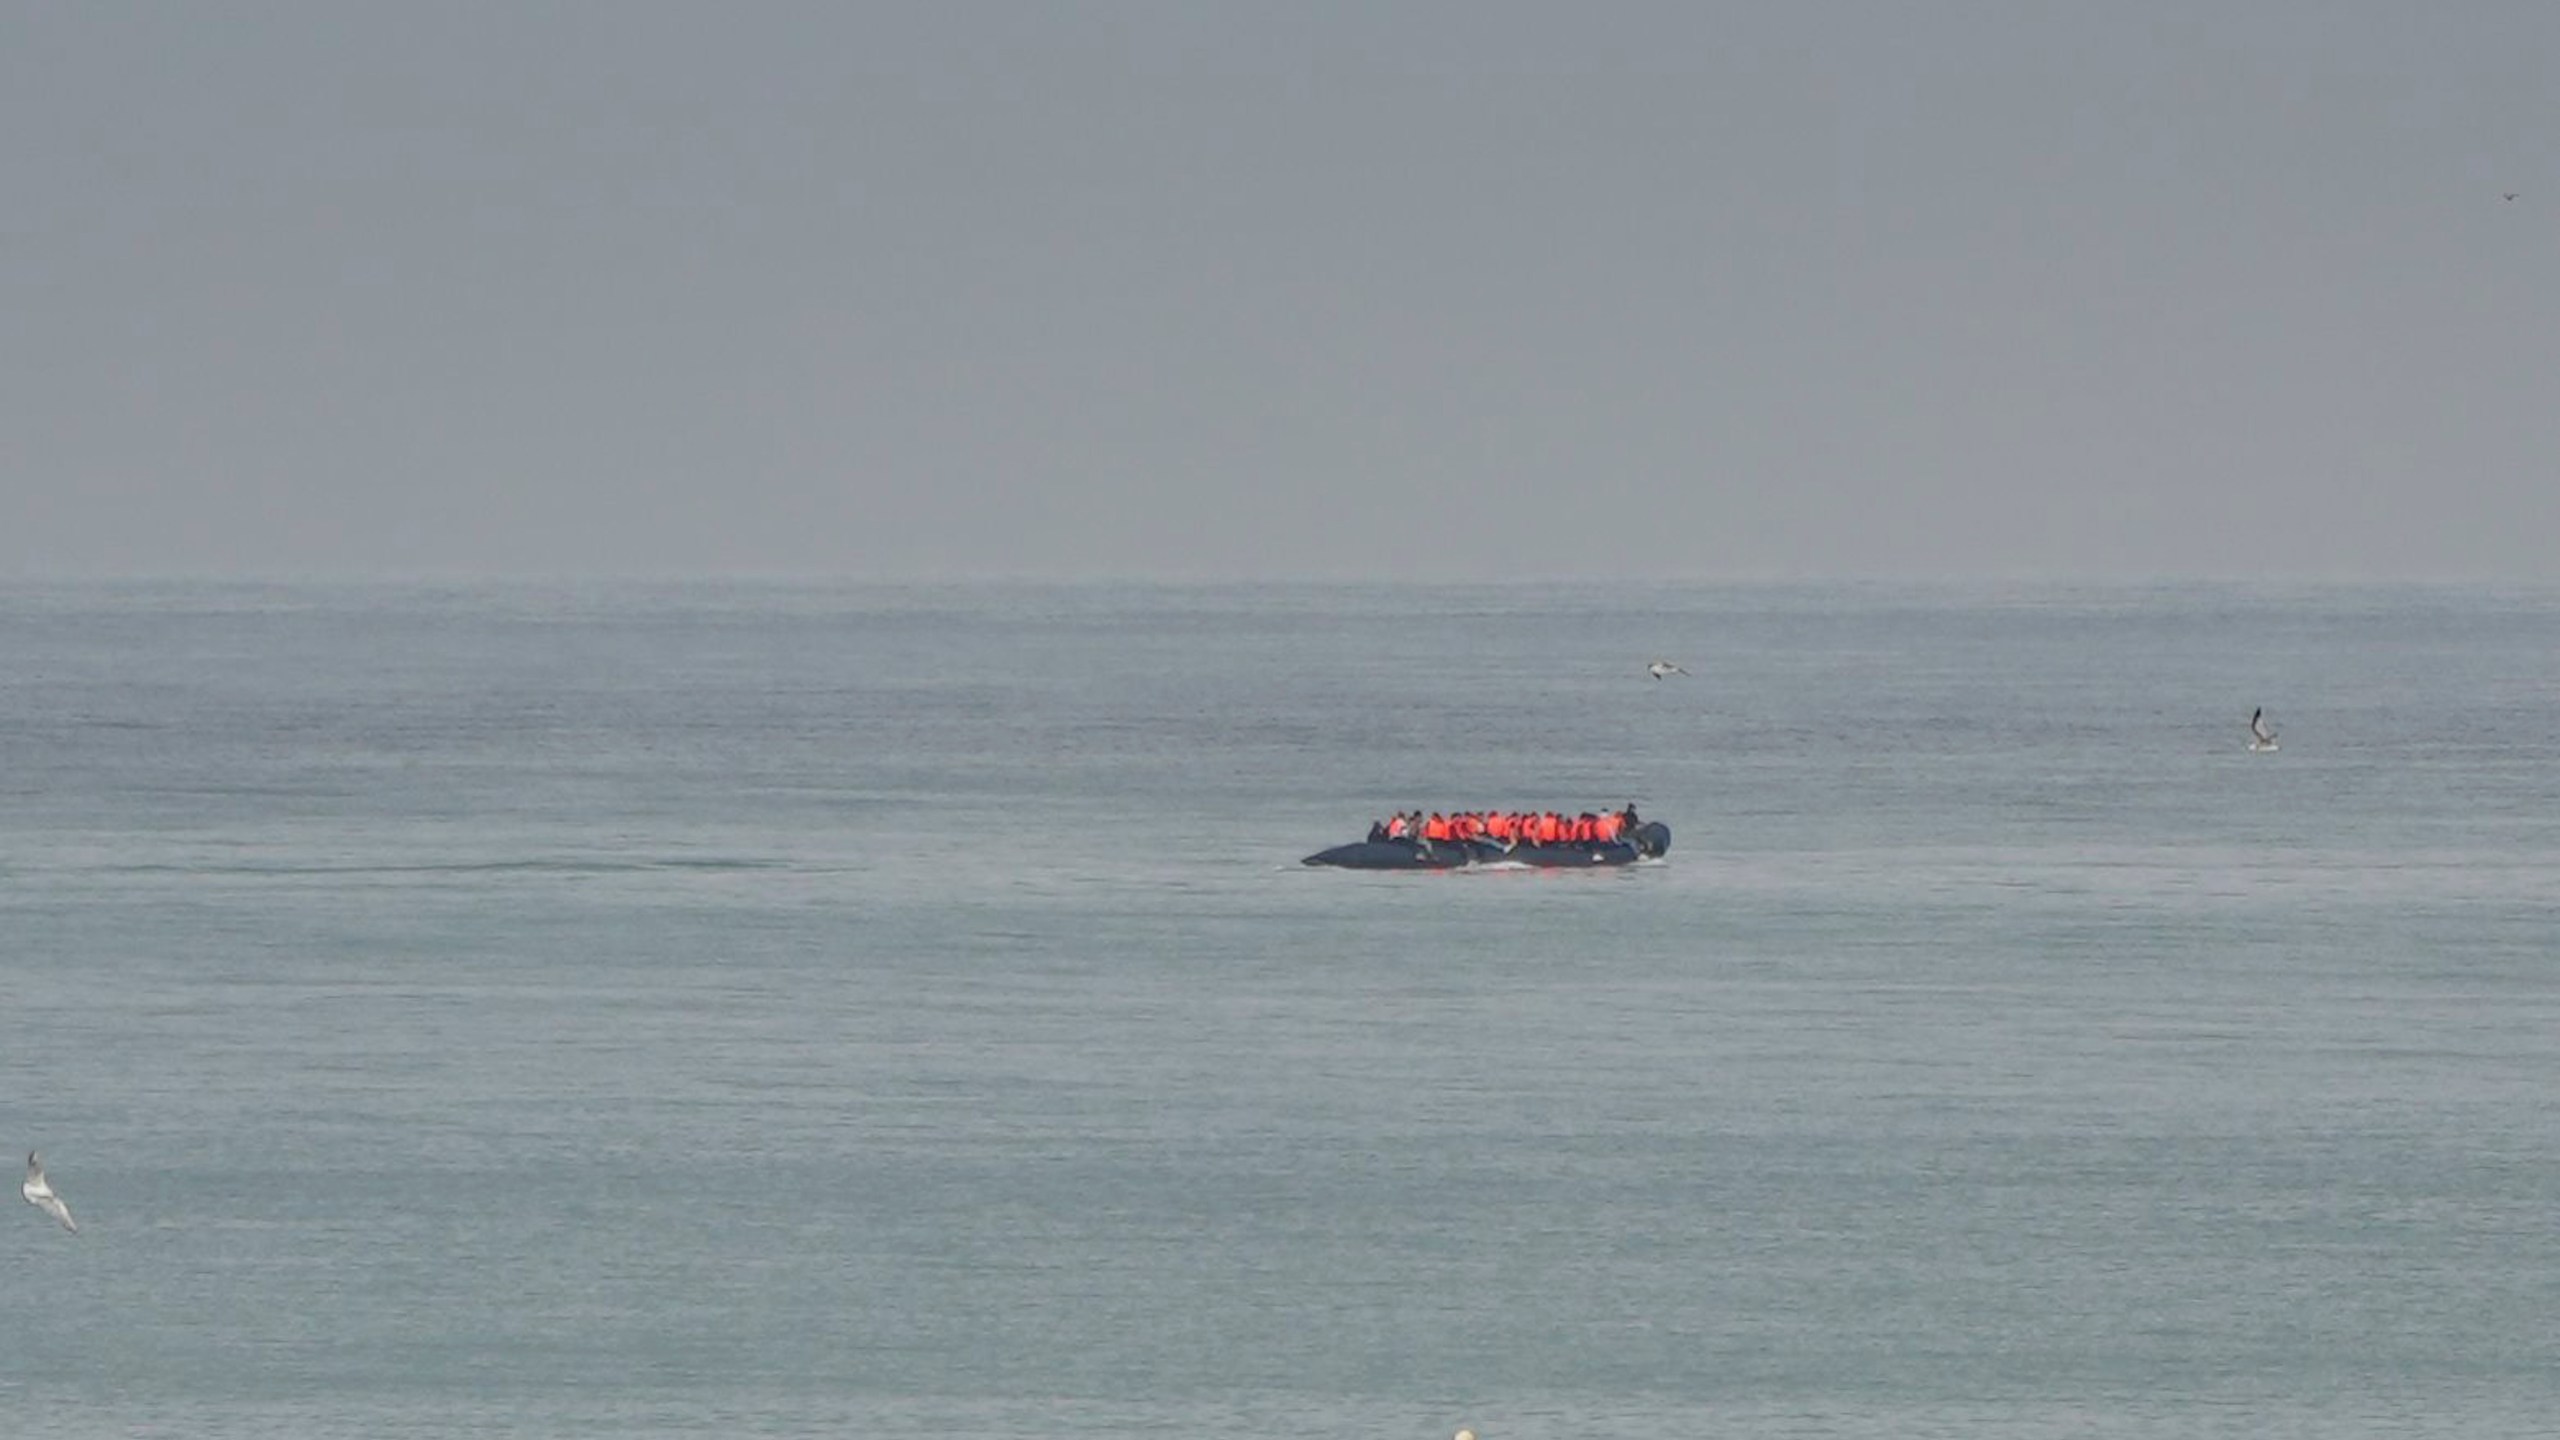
x=1511, y=827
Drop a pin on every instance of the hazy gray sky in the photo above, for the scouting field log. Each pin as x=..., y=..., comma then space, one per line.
x=1434, y=290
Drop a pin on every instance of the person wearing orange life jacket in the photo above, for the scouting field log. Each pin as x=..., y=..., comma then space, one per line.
x=1396, y=828
x=1436, y=828
x=1608, y=829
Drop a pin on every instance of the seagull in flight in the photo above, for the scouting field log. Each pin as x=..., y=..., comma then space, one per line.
x=2260, y=737
x=40, y=1195
x=1660, y=668
x=2511, y=195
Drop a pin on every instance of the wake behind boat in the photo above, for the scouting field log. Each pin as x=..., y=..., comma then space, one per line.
x=1544, y=840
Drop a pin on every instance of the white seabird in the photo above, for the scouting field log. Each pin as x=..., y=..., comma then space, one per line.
x=1660, y=668
x=2260, y=737
x=40, y=1195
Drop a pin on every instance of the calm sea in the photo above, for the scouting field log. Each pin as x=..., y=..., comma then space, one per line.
x=756, y=1010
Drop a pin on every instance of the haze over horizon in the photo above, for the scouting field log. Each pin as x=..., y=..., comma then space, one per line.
x=1182, y=291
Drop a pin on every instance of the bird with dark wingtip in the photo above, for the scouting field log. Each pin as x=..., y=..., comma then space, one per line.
x=40, y=1194
x=2260, y=737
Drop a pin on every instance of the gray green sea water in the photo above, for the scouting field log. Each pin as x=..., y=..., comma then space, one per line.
x=770, y=1010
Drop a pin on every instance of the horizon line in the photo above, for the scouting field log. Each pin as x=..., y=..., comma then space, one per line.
x=822, y=579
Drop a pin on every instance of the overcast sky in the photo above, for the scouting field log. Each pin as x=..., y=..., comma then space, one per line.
x=1464, y=290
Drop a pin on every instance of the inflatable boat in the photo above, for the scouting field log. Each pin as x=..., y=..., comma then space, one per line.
x=1645, y=842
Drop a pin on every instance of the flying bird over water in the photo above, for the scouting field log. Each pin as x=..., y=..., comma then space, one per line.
x=40, y=1195
x=1660, y=668
x=2510, y=194
x=2260, y=737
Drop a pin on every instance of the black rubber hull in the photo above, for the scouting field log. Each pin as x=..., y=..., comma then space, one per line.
x=1650, y=839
